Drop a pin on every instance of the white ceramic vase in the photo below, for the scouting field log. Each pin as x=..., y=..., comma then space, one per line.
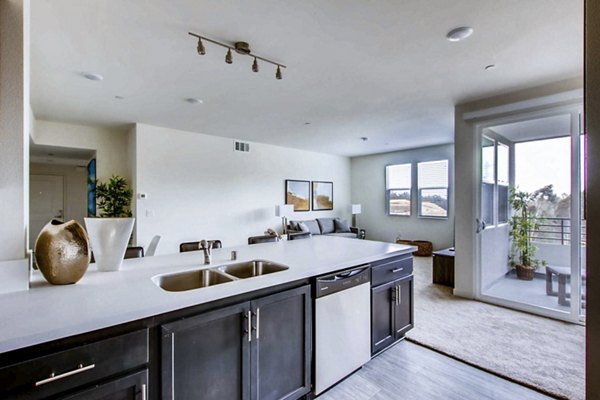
x=108, y=240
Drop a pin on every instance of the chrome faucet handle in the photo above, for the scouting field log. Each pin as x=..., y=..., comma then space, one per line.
x=203, y=244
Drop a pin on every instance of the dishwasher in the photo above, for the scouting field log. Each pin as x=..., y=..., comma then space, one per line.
x=342, y=325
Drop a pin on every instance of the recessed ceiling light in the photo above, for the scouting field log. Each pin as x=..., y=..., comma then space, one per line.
x=92, y=76
x=364, y=138
x=193, y=100
x=491, y=66
x=458, y=34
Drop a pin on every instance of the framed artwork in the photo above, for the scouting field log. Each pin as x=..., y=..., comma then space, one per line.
x=91, y=188
x=298, y=194
x=322, y=196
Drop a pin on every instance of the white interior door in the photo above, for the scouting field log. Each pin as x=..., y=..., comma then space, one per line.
x=45, y=202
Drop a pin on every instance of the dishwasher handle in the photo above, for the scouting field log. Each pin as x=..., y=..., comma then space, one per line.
x=333, y=283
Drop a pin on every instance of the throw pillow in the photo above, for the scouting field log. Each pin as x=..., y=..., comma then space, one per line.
x=302, y=227
x=313, y=227
x=326, y=225
x=341, y=226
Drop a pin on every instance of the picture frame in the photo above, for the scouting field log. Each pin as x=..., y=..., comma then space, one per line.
x=322, y=195
x=297, y=192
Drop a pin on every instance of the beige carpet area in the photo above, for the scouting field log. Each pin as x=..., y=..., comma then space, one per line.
x=536, y=351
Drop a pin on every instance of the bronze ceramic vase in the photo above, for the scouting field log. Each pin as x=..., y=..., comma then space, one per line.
x=62, y=252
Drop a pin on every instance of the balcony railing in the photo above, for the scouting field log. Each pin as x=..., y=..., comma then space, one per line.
x=556, y=230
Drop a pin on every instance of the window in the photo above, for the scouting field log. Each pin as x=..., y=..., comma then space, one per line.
x=398, y=181
x=433, y=188
x=488, y=178
x=503, y=181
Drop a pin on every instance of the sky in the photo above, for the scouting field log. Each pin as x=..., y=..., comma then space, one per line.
x=543, y=162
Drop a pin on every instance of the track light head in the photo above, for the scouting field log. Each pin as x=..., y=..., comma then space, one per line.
x=278, y=73
x=255, y=65
x=228, y=57
x=201, y=49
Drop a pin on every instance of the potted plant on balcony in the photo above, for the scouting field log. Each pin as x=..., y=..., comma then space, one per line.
x=522, y=224
x=110, y=233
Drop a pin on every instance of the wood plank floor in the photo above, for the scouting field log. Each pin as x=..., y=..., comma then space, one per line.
x=408, y=371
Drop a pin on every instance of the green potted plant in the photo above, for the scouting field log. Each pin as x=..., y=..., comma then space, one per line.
x=522, y=223
x=110, y=233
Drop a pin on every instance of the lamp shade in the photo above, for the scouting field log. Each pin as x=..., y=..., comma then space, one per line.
x=355, y=209
x=284, y=210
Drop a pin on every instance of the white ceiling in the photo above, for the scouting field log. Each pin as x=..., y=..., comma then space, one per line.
x=380, y=69
x=59, y=155
x=536, y=129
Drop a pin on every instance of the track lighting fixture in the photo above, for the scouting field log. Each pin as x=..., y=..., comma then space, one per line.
x=242, y=48
x=201, y=49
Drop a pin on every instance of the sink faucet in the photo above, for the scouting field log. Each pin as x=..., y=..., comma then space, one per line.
x=206, y=247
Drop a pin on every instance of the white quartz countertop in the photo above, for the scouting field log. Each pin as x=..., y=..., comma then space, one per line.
x=102, y=299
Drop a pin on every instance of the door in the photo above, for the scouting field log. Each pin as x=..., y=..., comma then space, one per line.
x=539, y=154
x=130, y=387
x=382, y=316
x=207, y=356
x=403, y=306
x=282, y=345
x=45, y=203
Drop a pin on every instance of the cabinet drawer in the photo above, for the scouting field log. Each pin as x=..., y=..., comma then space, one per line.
x=391, y=269
x=54, y=373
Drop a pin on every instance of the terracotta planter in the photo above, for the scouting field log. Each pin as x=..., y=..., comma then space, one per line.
x=525, y=273
x=62, y=252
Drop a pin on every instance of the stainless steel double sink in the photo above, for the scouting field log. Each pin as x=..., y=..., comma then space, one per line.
x=201, y=278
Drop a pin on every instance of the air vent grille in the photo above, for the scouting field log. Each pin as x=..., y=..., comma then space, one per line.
x=241, y=146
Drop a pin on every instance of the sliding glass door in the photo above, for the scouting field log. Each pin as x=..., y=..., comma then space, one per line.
x=531, y=223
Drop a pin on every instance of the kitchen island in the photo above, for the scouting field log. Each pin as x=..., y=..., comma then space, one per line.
x=49, y=318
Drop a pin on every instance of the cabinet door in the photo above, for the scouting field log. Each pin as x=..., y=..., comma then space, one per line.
x=130, y=387
x=207, y=356
x=282, y=345
x=382, y=316
x=403, y=308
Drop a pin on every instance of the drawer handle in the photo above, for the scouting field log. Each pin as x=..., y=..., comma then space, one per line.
x=397, y=270
x=52, y=378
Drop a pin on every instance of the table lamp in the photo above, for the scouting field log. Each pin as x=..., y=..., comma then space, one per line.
x=283, y=211
x=354, y=210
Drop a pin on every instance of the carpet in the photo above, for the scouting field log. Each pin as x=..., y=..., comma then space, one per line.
x=539, y=352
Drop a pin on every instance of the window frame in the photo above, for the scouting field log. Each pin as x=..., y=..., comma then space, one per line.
x=388, y=191
x=420, y=189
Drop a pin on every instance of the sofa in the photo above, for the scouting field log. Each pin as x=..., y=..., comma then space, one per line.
x=324, y=226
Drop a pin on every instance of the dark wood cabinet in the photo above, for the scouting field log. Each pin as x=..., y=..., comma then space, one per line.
x=56, y=373
x=203, y=356
x=130, y=387
x=403, y=306
x=391, y=302
x=258, y=349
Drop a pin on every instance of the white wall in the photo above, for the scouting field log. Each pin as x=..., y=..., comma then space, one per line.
x=74, y=188
x=14, y=144
x=199, y=188
x=368, y=189
x=467, y=166
x=111, y=145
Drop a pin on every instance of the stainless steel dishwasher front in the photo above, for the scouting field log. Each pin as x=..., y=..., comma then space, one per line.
x=342, y=325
